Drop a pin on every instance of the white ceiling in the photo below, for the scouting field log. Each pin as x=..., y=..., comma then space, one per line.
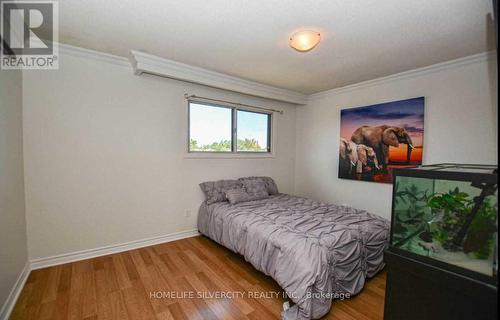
x=361, y=39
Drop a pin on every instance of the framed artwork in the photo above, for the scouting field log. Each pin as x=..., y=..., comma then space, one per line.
x=375, y=139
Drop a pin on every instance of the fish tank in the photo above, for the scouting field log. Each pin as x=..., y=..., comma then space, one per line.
x=446, y=215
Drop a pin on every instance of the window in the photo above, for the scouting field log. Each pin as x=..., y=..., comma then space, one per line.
x=210, y=128
x=252, y=131
x=215, y=128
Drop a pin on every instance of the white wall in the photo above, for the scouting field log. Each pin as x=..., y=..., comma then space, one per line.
x=460, y=126
x=104, y=156
x=104, y=149
x=13, y=247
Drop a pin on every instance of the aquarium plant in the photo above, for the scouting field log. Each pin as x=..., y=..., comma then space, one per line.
x=457, y=221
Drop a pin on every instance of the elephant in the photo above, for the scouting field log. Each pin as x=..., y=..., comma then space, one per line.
x=348, y=157
x=380, y=138
x=356, y=156
x=367, y=159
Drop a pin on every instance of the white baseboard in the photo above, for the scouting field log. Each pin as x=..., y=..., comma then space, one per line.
x=103, y=251
x=9, y=304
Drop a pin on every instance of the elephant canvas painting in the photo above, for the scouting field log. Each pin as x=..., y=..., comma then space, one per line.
x=377, y=138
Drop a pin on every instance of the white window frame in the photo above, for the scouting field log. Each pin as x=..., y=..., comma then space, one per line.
x=234, y=154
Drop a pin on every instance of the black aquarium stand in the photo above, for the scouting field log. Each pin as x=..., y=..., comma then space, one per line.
x=416, y=291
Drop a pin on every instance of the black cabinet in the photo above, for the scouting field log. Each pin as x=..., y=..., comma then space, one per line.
x=416, y=290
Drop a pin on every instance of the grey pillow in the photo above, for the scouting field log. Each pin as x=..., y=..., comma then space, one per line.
x=238, y=195
x=269, y=183
x=215, y=191
x=254, y=185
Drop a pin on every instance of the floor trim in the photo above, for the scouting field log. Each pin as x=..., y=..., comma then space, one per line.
x=103, y=251
x=9, y=304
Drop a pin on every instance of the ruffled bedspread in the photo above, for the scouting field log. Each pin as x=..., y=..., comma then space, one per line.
x=312, y=249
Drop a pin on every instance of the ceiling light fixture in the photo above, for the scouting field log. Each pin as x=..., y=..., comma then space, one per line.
x=304, y=41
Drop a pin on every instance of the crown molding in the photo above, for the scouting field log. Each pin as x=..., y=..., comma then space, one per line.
x=146, y=63
x=92, y=54
x=150, y=64
x=456, y=63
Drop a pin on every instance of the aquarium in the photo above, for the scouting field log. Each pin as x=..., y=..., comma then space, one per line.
x=446, y=214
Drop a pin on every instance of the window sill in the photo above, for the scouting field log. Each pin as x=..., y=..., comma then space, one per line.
x=221, y=155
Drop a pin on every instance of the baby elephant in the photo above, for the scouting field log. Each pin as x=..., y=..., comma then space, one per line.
x=357, y=157
x=367, y=159
x=348, y=156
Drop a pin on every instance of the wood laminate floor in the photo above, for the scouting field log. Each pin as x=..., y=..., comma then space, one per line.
x=120, y=286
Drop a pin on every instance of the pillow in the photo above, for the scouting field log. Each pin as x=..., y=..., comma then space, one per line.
x=254, y=186
x=269, y=183
x=215, y=191
x=238, y=195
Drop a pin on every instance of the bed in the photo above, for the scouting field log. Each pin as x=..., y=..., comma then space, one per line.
x=315, y=251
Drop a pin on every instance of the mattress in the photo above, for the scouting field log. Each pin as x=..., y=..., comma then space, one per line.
x=315, y=251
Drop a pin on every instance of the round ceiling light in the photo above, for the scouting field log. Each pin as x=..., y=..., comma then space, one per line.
x=304, y=41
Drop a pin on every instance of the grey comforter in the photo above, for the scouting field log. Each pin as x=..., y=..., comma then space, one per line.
x=313, y=250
